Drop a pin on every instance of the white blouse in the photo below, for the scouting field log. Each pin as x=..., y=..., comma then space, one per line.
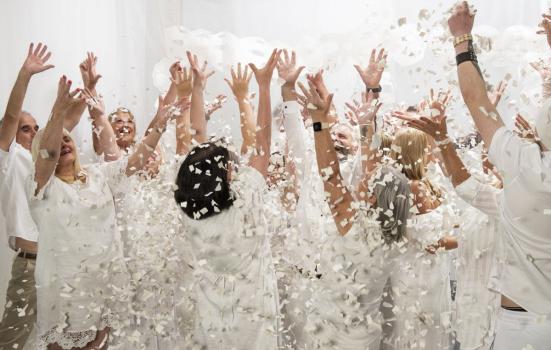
x=80, y=274
x=237, y=300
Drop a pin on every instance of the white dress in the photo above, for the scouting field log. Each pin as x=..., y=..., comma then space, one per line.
x=80, y=274
x=354, y=270
x=237, y=301
x=421, y=286
x=152, y=240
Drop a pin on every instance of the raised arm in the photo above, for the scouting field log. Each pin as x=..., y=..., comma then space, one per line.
x=260, y=158
x=175, y=71
x=338, y=196
x=295, y=164
x=180, y=88
x=49, y=148
x=239, y=86
x=289, y=72
x=34, y=63
x=471, y=82
x=138, y=160
x=436, y=127
x=372, y=74
x=103, y=130
x=90, y=79
x=198, y=118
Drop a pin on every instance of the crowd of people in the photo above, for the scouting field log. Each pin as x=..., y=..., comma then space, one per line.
x=340, y=237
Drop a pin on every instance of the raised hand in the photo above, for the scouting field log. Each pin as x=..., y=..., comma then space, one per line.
x=543, y=68
x=462, y=19
x=442, y=98
x=496, y=94
x=287, y=68
x=36, y=59
x=175, y=67
x=263, y=75
x=215, y=105
x=96, y=107
x=200, y=74
x=240, y=82
x=318, y=106
x=545, y=26
x=182, y=80
x=65, y=97
x=90, y=77
x=524, y=129
x=303, y=102
x=170, y=111
x=353, y=111
x=319, y=84
x=368, y=109
x=372, y=74
x=433, y=125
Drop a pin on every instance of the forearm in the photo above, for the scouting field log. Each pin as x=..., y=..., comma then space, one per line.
x=198, y=120
x=454, y=165
x=473, y=90
x=49, y=153
x=183, y=135
x=138, y=160
x=10, y=123
x=73, y=116
x=339, y=198
x=106, y=140
x=247, y=125
x=264, y=122
x=171, y=94
x=368, y=155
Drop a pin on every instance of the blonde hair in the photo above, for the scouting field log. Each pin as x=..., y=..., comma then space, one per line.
x=35, y=150
x=409, y=149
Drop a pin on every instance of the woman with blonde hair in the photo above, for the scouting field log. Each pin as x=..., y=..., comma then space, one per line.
x=80, y=274
x=420, y=282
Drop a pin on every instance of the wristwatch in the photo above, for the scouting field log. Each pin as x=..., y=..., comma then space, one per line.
x=375, y=90
x=319, y=126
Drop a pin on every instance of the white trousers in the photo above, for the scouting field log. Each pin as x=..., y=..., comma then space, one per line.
x=522, y=331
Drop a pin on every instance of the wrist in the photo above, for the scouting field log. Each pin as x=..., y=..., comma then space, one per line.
x=288, y=85
x=264, y=86
x=24, y=73
x=462, y=47
x=288, y=93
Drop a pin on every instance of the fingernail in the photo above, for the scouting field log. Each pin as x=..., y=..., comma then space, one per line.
x=70, y=82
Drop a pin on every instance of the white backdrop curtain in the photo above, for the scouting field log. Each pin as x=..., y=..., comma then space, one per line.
x=136, y=40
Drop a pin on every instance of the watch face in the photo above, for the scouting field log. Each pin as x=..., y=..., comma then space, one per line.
x=317, y=126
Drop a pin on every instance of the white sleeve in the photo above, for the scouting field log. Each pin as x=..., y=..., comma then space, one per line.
x=114, y=172
x=481, y=196
x=515, y=157
x=296, y=136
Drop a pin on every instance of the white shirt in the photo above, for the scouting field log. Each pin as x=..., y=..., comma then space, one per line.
x=480, y=264
x=525, y=211
x=80, y=274
x=16, y=166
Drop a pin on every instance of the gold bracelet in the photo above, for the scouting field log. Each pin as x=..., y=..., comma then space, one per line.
x=461, y=39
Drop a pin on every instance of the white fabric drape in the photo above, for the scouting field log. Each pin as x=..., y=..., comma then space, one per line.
x=132, y=37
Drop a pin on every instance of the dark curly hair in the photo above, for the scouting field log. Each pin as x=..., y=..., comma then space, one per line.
x=203, y=186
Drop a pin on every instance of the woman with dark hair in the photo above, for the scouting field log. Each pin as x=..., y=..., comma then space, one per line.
x=235, y=284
